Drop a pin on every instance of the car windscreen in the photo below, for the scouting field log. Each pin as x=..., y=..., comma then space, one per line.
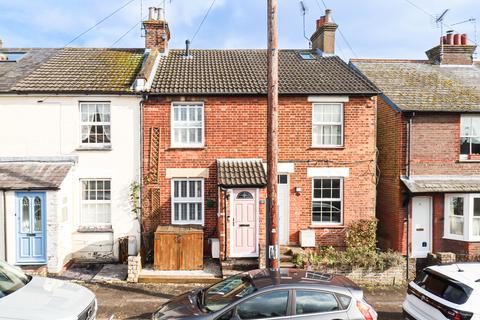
x=11, y=279
x=227, y=291
x=443, y=287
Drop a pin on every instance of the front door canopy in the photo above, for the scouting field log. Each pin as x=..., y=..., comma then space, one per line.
x=241, y=173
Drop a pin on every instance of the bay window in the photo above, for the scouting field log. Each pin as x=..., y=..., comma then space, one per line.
x=462, y=217
x=187, y=201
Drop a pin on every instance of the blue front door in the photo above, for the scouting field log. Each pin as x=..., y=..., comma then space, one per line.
x=31, y=235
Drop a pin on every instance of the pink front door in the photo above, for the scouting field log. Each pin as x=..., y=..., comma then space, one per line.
x=244, y=223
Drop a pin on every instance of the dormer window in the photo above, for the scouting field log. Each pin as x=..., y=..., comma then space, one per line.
x=11, y=56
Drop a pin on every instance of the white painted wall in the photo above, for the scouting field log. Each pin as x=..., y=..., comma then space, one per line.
x=29, y=128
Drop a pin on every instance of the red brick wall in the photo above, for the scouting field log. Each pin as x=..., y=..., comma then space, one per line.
x=235, y=127
x=391, y=144
x=435, y=150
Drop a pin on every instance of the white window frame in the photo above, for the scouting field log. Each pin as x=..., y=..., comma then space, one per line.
x=86, y=123
x=173, y=125
x=321, y=223
x=187, y=200
x=468, y=217
x=340, y=123
x=462, y=118
x=83, y=201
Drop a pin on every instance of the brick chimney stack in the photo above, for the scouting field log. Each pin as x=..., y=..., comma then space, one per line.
x=157, y=32
x=453, y=49
x=324, y=36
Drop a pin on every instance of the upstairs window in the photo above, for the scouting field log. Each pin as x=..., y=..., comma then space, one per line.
x=327, y=125
x=469, y=135
x=95, y=123
x=187, y=125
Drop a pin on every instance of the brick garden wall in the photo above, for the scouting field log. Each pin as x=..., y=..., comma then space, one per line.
x=235, y=127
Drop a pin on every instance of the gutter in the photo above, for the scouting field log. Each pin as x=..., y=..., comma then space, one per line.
x=409, y=145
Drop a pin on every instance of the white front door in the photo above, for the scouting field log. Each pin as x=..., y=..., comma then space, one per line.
x=283, y=208
x=421, y=226
x=243, y=222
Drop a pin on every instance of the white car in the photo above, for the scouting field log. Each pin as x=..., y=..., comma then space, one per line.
x=27, y=298
x=450, y=292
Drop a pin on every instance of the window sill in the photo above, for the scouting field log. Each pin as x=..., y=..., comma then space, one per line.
x=94, y=148
x=327, y=147
x=84, y=229
x=326, y=226
x=467, y=160
x=173, y=148
x=452, y=238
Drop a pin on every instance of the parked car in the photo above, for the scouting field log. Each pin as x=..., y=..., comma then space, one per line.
x=444, y=292
x=27, y=298
x=265, y=293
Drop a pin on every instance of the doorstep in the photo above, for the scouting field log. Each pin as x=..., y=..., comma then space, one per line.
x=211, y=273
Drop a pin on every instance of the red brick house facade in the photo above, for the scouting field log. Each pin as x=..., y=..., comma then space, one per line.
x=205, y=144
x=429, y=181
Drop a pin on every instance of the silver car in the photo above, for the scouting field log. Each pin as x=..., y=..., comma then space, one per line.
x=264, y=293
x=25, y=297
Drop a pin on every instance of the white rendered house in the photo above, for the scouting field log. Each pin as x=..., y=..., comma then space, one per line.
x=69, y=154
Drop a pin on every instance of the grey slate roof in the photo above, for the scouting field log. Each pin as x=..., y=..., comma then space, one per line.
x=32, y=175
x=84, y=70
x=245, y=72
x=420, y=86
x=442, y=184
x=241, y=173
x=13, y=72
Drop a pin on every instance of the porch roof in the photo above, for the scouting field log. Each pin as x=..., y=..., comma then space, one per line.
x=426, y=184
x=233, y=173
x=33, y=175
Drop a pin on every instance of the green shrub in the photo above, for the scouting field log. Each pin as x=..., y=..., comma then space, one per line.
x=360, y=252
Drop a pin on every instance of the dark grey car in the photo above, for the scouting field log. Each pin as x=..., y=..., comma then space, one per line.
x=266, y=294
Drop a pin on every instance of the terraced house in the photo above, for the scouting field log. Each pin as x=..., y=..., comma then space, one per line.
x=428, y=140
x=205, y=136
x=70, y=132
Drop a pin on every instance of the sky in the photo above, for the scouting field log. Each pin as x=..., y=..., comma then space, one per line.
x=401, y=29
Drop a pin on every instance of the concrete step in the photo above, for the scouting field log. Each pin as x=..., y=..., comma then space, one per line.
x=287, y=265
x=241, y=264
x=228, y=273
x=285, y=258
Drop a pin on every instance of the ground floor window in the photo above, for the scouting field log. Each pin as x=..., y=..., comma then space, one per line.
x=327, y=201
x=187, y=201
x=462, y=217
x=96, y=202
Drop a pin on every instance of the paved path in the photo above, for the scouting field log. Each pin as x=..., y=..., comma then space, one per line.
x=138, y=301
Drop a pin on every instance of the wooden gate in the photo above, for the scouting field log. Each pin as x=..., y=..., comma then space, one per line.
x=178, y=248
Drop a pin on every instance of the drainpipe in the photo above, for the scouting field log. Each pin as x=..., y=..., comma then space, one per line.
x=225, y=222
x=409, y=142
x=5, y=223
x=140, y=217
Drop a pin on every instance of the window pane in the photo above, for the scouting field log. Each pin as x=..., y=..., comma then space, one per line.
x=183, y=211
x=176, y=211
x=183, y=136
x=199, y=114
x=265, y=306
x=475, y=143
x=192, y=211
x=191, y=114
x=317, y=114
x=465, y=126
x=457, y=205
x=176, y=114
x=192, y=138
x=315, y=302
x=456, y=215
x=199, y=136
x=25, y=215
x=183, y=189
x=199, y=211
x=476, y=207
x=37, y=214
x=183, y=114
x=199, y=189
x=337, y=113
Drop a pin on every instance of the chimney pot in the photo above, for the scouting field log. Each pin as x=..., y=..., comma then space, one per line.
x=463, y=39
x=456, y=39
x=450, y=39
x=328, y=15
x=1, y=43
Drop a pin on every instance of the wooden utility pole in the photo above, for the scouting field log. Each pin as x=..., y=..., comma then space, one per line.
x=272, y=136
